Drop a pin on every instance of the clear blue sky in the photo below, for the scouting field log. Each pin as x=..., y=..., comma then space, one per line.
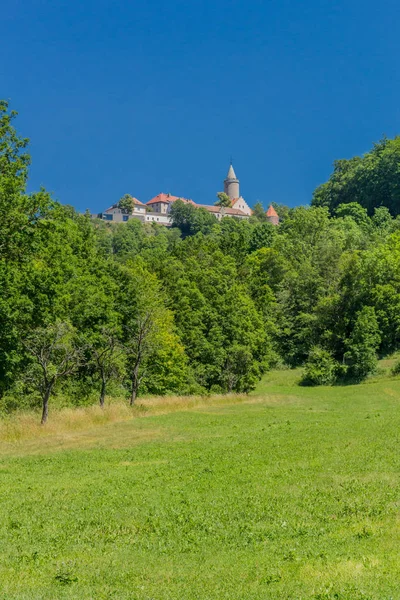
x=144, y=97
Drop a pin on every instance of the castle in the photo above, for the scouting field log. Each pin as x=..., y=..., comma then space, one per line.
x=157, y=210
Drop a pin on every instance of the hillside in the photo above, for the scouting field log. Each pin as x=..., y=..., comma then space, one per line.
x=290, y=492
x=90, y=309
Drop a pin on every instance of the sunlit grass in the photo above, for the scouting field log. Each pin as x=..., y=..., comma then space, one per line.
x=288, y=493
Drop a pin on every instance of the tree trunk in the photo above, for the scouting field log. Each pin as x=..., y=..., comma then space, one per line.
x=102, y=392
x=135, y=382
x=133, y=395
x=45, y=403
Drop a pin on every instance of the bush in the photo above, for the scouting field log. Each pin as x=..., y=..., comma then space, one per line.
x=396, y=368
x=361, y=361
x=320, y=369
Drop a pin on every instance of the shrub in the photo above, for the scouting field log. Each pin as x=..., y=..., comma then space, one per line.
x=396, y=368
x=320, y=369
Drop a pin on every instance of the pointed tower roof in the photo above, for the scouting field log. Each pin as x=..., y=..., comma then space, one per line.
x=231, y=173
x=271, y=212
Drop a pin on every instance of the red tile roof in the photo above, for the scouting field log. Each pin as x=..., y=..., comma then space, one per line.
x=227, y=210
x=167, y=198
x=209, y=207
x=271, y=212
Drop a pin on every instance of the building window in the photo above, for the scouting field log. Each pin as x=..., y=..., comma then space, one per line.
x=108, y=217
x=158, y=219
x=125, y=217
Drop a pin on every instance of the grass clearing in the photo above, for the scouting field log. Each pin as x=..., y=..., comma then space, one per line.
x=289, y=493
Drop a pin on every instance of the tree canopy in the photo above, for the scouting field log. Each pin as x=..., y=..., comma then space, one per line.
x=126, y=204
x=372, y=180
x=223, y=200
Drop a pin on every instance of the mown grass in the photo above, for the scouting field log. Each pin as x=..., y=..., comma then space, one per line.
x=290, y=493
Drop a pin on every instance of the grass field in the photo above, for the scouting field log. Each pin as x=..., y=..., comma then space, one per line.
x=290, y=493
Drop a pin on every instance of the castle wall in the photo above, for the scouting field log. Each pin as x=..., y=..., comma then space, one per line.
x=242, y=205
x=273, y=219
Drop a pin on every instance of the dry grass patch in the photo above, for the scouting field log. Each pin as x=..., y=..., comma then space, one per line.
x=160, y=405
x=26, y=425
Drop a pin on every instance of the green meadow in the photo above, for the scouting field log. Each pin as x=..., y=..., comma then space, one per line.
x=288, y=493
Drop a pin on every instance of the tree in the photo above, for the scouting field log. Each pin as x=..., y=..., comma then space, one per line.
x=140, y=345
x=107, y=357
x=54, y=353
x=356, y=212
x=237, y=366
x=262, y=236
x=148, y=334
x=362, y=344
x=19, y=212
x=234, y=237
x=128, y=238
x=14, y=161
x=223, y=200
x=126, y=204
x=191, y=220
x=320, y=369
x=245, y=343
x=382, y=219
x=386, y=302
x=259, y=212
x=372, y=180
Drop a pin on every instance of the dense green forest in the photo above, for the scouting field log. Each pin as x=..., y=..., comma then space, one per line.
x=89, y=308
x=372, y=180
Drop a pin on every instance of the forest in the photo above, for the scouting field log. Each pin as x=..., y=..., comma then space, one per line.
x=90, y=309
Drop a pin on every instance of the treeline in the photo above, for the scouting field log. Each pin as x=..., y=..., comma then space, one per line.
x=372, y=180
x=89, y=308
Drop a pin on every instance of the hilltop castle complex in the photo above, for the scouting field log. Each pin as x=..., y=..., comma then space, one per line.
x=157, y=210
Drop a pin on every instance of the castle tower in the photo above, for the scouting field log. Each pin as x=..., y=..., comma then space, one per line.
x=231, y=184
x=272, y=215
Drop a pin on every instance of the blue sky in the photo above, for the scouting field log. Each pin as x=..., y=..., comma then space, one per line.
x=148, y=97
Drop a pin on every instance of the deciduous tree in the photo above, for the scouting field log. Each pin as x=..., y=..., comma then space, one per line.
x=223, y=200
x=107, y=357
x=126, y=204
x=54, y=353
